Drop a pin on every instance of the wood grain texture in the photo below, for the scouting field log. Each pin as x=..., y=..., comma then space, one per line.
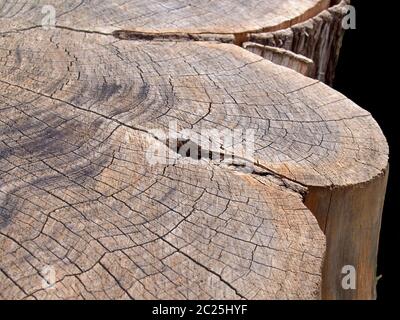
x=319, y=39
x=282, y=57
x=351, y=219
x=78, y=114
x=311, y=28
x=171, y=16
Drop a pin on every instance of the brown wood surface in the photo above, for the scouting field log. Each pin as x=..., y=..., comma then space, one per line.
x=78, y=110
x=169, y=16
x=318, y=38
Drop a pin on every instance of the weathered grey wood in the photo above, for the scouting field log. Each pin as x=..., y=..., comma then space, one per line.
x=319, y=38
x=168, y=16
x=282, y=57
x=307, y=27
x=78, y=193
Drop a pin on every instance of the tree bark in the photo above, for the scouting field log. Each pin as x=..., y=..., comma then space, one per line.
x=319, y=39
x=99, y=194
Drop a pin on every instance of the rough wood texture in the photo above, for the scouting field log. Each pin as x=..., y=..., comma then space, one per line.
x=78, y=110
x=308, y=27
x=170, y=16
x=350, y=218
x=282, y=57
x=319, y=38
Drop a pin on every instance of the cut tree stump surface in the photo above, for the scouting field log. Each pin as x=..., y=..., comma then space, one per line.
x=312, y=28
x=171, y=16
x=79, y=112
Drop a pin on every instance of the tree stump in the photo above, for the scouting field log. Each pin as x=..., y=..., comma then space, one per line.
x=102, y=195
x=318, y=38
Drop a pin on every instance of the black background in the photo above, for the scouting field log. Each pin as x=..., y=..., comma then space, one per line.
x=367, y=74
